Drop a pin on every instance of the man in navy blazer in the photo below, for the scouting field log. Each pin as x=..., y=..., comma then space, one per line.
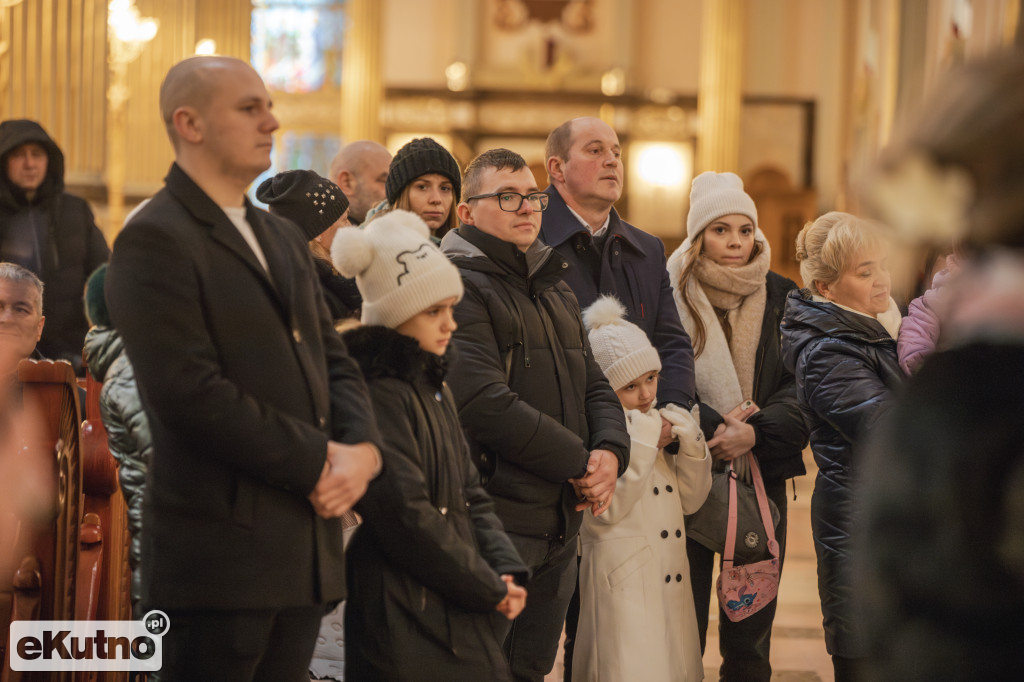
x=262, y=428
x=606, y=254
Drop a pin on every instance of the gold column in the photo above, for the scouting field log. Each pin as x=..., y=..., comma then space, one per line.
x=361, y=88
x=719, y=96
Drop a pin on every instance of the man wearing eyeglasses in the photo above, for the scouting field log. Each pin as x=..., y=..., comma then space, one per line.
x=607, y=255
x=540, y=417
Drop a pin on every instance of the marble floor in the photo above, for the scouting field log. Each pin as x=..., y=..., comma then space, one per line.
x=798, y=645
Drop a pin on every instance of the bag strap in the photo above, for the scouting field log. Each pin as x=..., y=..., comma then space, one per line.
x=762, y=505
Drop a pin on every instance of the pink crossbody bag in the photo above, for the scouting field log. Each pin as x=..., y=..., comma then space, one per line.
x=745, y=590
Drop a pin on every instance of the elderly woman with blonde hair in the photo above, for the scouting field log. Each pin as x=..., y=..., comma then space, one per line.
x=839, y=340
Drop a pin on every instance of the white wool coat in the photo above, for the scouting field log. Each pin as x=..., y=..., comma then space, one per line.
x=637, y=619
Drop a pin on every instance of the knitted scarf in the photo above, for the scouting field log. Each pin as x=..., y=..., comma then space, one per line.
x=724, y=371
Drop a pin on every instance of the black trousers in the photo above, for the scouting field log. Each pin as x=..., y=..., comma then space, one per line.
x=744, y=645
x=240, y=646
x=531, y=643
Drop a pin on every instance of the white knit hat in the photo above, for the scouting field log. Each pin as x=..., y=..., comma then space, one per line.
x=398, y=270
x=620, y=347
x=713, y=195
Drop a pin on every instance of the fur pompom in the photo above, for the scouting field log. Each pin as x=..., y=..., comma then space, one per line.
x=351, y=251
x=605, y=310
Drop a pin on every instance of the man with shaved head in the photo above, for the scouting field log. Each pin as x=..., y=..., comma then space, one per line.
x=261, y=423
x=360, y=169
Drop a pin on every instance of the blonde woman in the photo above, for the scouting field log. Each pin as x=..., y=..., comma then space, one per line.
x=839, y=341
x=731, y=305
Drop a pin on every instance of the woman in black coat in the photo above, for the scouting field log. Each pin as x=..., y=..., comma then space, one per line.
x=839, y=341
x=731, y=305
x=431, y=572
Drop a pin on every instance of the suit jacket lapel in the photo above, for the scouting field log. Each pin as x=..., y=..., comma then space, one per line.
x=222, y=230
x=274, y=251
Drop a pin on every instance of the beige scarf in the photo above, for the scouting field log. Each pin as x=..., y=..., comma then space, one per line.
x=724, y=371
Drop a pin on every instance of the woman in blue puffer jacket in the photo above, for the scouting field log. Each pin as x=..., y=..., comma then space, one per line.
x=839, y=341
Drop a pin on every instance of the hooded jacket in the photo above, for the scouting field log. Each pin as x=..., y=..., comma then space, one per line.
x=425, y=566
x=531, y=397
x=55, y=236
x=129, y=437
x=846, y=371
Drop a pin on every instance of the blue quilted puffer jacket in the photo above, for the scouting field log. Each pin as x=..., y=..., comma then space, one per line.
x=846, y=369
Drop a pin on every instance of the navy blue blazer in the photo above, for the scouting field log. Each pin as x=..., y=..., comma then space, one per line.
x=631, y=267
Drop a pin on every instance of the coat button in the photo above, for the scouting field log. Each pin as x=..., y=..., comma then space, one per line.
x=668, y=578
x=679, y=533
x=656, y=491
x=297, y=335
x=437, y=396
x=664, y=533
x=679, y=577
x=668, y=488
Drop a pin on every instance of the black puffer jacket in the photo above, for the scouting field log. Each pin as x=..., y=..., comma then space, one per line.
x=128, y=433
x=531, y=397
x=55, y=236
x=846, y=370
x=424, y=569
x=779, y=426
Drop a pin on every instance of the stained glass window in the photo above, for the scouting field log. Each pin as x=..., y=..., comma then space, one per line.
x=296, y=44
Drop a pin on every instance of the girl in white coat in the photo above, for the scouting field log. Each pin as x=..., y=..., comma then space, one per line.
x=637, y=619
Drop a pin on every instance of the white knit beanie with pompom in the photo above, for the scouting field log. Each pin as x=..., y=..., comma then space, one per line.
x=399, y=272
x=620, y=347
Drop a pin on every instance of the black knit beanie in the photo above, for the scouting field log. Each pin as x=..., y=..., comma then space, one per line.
x=419, y=157
x=312, y=202
x=95, y=301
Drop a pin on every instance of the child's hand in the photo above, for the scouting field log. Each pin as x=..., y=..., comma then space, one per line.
x=686, y=429
x=644, y=427
x=514, y=601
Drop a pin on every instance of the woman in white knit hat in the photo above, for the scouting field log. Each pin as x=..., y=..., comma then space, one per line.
x=431, y=569
x=731, y=305
x=637, y=620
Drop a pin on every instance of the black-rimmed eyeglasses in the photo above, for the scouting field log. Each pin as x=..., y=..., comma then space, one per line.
x=513, y=201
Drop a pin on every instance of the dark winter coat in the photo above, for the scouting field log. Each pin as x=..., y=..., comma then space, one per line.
x=631, y=267
x=779, y=427
x=846, y=370
x=532, y=399
x=244, y=381
x=340, y=293
x=939, y=560
x=55, y=236
x=128, y=433
x=424, y=568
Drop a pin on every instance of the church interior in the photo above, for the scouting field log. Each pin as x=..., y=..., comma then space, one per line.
x=798, y=97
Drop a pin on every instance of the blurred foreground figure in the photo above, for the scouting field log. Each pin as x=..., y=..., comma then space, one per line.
x=940, y=560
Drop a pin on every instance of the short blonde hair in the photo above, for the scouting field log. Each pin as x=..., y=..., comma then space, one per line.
x=826, y=247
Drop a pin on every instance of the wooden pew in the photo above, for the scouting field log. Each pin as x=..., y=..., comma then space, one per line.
x=74, y=565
